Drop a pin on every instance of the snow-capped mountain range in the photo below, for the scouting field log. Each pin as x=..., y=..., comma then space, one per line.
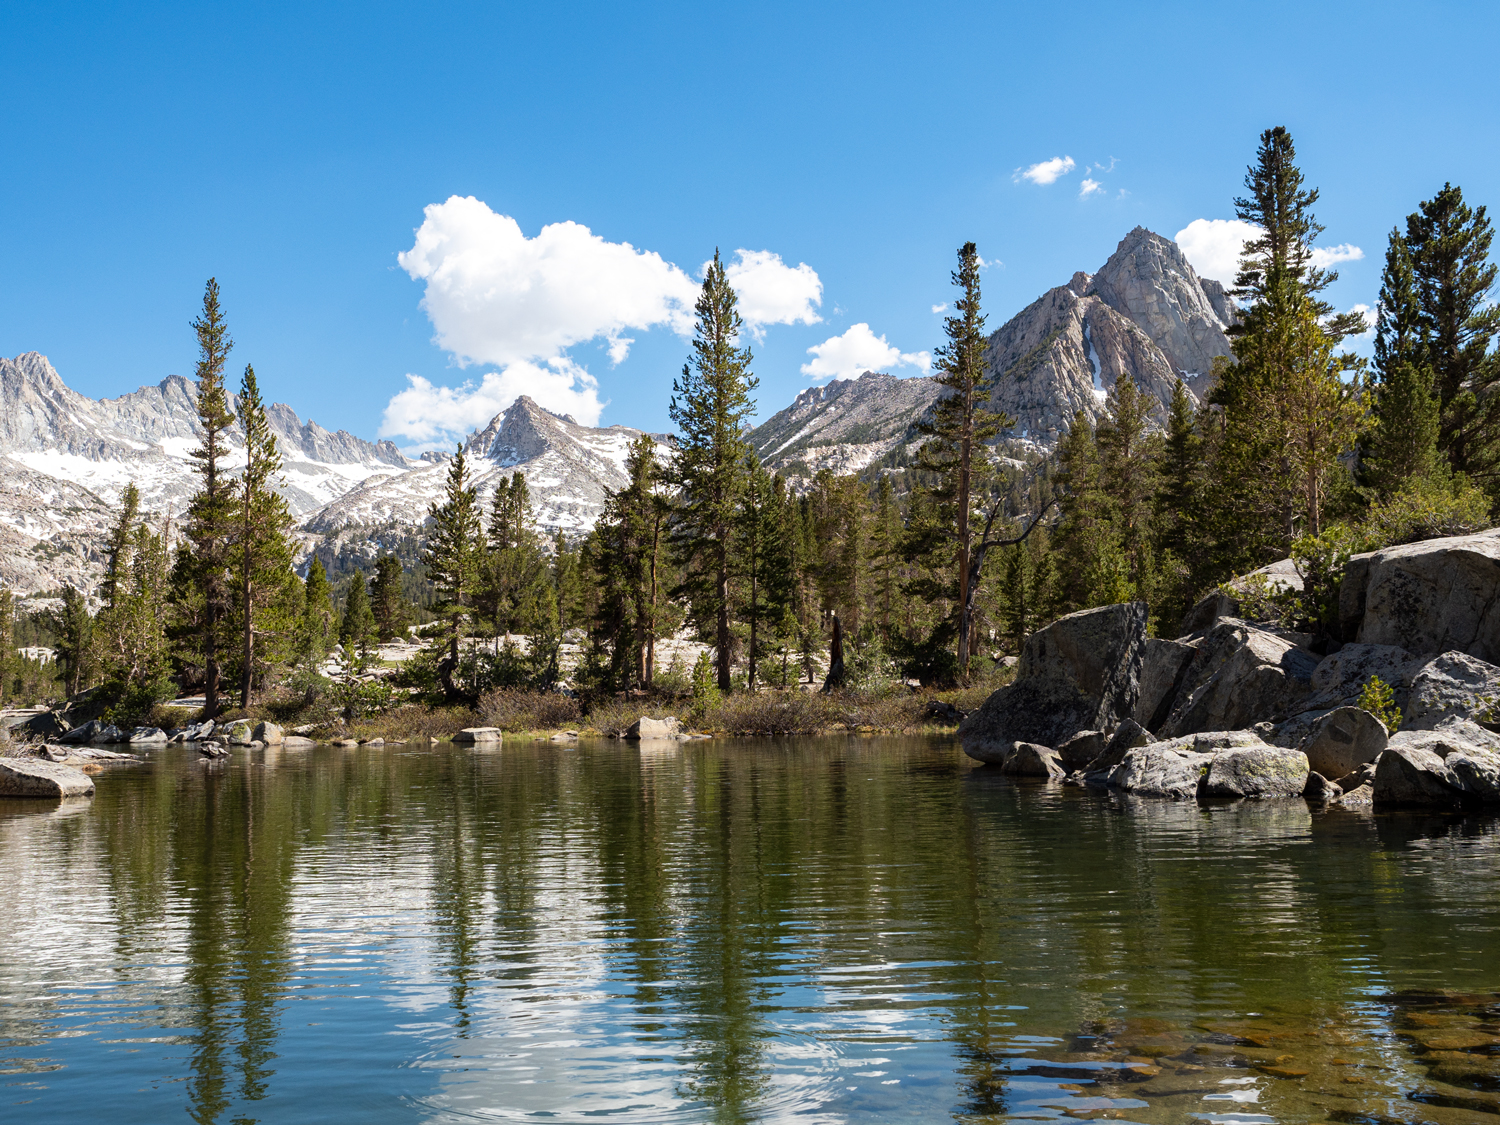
x=65, y=458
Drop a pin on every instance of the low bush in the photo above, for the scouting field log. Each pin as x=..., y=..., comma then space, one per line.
x=413, y=722
x=516, y=709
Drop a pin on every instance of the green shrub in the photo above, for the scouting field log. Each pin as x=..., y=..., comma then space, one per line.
x=1379, y=700
x=1427, y=507
x=522, y=710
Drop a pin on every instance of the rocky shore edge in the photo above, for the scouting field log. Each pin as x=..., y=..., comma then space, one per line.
x=1236, y=709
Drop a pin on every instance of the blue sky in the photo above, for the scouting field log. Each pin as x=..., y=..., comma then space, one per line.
x=294, y=151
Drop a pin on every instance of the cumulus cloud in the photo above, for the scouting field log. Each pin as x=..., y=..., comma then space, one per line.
x=1212, y=246
x=495, y=296
x=1048, y=171
x=940, y=308
x=1325, y=256
x=857, y=350
x=430, y=416
x=1089, y=187
x=772, y=292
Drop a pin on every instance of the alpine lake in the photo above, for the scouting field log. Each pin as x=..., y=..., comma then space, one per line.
x=848, y=929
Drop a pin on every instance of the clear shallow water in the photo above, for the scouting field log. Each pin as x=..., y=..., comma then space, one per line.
x=835, y=930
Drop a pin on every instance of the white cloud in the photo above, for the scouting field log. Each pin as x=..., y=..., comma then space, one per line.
x=1089, y=187
x=1048, y=171
x=940, y=308
x=429, y=416
x=1325, y=256
x=496, y=296
x=1212, y=246
x=772, y=292
x=856, y=351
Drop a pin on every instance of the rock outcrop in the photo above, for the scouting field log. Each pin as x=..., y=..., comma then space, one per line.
x=1082, y=672
x=40, y=777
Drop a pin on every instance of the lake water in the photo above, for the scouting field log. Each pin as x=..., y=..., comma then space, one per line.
x=828, y=930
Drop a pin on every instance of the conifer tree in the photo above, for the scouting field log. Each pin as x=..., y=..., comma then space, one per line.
x=8, y=654
x=72, y=629
x=1128, y=461
x=710, y=405
x=960, y=427
x=885, y=557
x=1182, y=560
x=357, y=624
x=1093, y=568
x=261, y=546
x=516, y=586
x=210, y=513
x=454, y=554
x=764, y=568
x=1449, y=243
x=567, y=582
x=1403, y=442
x=631, y=536
x=118, y=562
x=317, y=631
x=1287, y=414
x=387, y=603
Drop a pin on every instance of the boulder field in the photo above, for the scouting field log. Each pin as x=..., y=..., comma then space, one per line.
x=1237, y=709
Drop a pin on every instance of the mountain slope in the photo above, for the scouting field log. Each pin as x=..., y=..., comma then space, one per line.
x=1146, y=313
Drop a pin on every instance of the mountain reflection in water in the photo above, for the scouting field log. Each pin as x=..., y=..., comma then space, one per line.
x=819, y=930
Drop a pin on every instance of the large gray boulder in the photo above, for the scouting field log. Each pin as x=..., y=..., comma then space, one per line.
x=1478, y=775
x=1163, y=666
x=240, y=733
x=1128, y=736
x=1241, y=675
x=1340, y=678
x=148, y=736
x=1082, y=672
x=41, y=777
x=1031, y=760
x=473, y=734
x=1344, y=740
x=1435, y=596
x=1451, y=686
x=646, y=728
x=1160, y=770
x=1415, y=777
x=269, y=733
x=1264, y=771
x=1078, y=751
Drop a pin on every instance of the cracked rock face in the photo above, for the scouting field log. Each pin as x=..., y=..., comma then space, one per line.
x=1435, y=596
x=1145, y=313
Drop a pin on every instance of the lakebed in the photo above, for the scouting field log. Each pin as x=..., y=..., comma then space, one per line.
x=835, y=929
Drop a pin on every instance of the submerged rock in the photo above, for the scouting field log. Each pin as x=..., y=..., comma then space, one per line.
x=1160, y=770
x=1319, y=789
x=40, y=777
x=1030, y=760
x=1265, y=771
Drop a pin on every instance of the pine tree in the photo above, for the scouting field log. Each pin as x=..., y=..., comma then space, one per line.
x=8, y=654
x=118, y=562
x=210, y=513
x=1287, y=414
x=72, y=629
x=960, y=426
x=630, y=536
x=128, y=636
x=710, y=406
x=1128, y=460
x=567, y=582
x=1091, y=557
x=454, y=555
x=261, y=545
x=1449, y=243
x=764, y=568
x=386, y=600
x=357, y=624
x=1403, y=442
x=516, y=587
x=885, y=557
x=1281, y=207
x=1180, y=508
x=317, y=631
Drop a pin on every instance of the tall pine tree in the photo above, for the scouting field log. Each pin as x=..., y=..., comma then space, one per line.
x=210, y=514
x=1403, y=443
x=710, y=405
x=454, y=555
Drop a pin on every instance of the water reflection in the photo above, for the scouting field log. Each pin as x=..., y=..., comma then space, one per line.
x=828, y=930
